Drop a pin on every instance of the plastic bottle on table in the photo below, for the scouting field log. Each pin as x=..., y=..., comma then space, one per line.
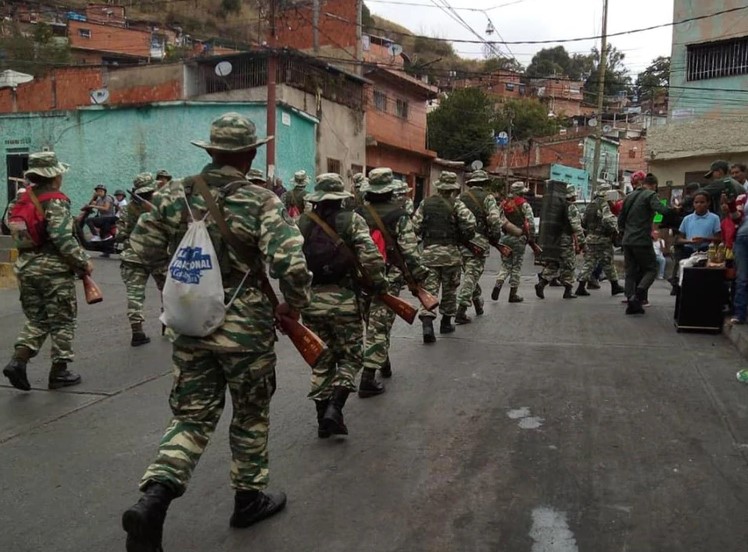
x=712, y=253
x=721, y=253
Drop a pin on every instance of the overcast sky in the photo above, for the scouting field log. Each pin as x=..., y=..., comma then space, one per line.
x=518, y=20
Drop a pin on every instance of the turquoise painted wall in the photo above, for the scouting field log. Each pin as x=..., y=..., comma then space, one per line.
x=579, y=177
x=112, y=145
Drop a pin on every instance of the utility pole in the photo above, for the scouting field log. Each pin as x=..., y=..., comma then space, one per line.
x=315, y=26
x=271, y=104
x=602, y=69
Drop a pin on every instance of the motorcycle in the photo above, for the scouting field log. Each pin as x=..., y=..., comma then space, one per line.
x=107, y=245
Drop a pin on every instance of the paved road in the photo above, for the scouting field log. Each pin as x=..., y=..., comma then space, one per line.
x=546, y=426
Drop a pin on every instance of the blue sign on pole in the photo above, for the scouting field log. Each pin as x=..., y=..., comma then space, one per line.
x=502, y=139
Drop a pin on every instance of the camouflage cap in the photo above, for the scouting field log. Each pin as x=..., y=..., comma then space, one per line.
x=45, y=163
x=381, y=181
x=517, y=188
x=358, y=179
x=328, y=186
x=478, y=177
x=144, y=183
x=232, y=132
x=256, y=175
x=571, y=191
x=447, y=181
x=301, y=179
x=163, y=173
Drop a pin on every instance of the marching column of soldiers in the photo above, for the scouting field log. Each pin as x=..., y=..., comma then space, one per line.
x=340, y=260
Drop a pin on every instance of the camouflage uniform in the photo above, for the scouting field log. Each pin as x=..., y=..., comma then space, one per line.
x=357, y=200
x=239, y=354
x=564, y=268
x=488, y=225
x=134, y=271
x=444, y=223
x=46, y=280
x=401, y=197
x=519, y=212
x=400, y=227
x=256, y=176
x=296, y=198
x=334, y=313
x=599, y=251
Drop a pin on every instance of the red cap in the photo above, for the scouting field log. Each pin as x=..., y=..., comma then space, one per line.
x=638, y=176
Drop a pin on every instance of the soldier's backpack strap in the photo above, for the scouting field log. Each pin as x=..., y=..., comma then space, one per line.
x=399, y=260
x=475, y=200
x=339, y=242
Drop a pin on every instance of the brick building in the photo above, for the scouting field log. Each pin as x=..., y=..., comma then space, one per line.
x=503, y=84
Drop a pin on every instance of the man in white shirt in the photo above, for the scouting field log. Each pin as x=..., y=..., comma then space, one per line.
x=740, y=173
x=120, y=202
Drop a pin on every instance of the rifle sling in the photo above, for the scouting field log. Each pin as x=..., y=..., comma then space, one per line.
x=335, y=237
x=393, y=245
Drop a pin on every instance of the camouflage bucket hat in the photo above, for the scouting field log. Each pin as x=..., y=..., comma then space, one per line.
x=571, y=191
x=381, y=181
x=232, y=132
x=256, y=175
x=144, y=183
x=301, y=179
x=358, y=180
x=517, y=188
x=45, y=163
x=329, y=186
x=447, y=181
x=602, y=189
x=478, y=177
x=402, y=187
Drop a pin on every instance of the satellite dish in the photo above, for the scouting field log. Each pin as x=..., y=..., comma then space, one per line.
x=99, y=96
x=476, y=165
x=607, y=128
x=592, y=122
x=395, y=50
x=224, y=68
x=11, y=79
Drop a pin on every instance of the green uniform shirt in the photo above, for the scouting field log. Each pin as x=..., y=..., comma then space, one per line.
x=635, y=221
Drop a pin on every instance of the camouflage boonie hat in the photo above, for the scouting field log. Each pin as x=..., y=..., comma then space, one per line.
x=301, y=179
x=478, y=177
x=517, y=188
x=447, y=181
x=45, y=163
x=232, y=132
x=328, y=186
x=256, y=175
x=571, y=191
x=144, y=183
x=358, y=179
x=603, y=189
x=381, y=181
x=402, y=187
x=163, y=173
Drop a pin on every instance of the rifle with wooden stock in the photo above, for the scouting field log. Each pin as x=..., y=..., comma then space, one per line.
x=531, y=241
x=399, y=306
x=309, y=345
x=428, y=301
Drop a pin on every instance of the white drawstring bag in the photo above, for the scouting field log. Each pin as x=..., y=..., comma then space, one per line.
x=193, y=293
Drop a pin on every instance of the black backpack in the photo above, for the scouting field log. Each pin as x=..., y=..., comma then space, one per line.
x=325, y=258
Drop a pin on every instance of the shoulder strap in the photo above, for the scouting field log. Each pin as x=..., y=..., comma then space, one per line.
x=35, y=200
x=470, y=193
x=339, y=242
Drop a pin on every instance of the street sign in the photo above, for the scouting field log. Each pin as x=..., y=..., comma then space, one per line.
x=502, y=138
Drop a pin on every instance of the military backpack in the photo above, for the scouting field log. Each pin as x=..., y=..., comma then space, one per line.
x=439, y=224
x=325, y=258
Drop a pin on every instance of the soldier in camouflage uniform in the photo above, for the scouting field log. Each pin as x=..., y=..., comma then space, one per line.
x=489, y=220
x=518, y=211
x=357, y=200
x=401, y=195
x=162, y=178
x=257, y=177
x=378, y=193
x=444, y=223
x=334, y=313
x=46, y=279
x=295, y=200
x=572, y=242
x=601, y=225
x=134, y=271
x=239, y=354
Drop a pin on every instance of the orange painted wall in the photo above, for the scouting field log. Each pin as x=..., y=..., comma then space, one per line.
x=62, y=89
x=105, y=38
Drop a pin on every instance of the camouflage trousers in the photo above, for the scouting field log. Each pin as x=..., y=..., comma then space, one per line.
x=448, y=279
x=599, y=254
x=335, y=317
x=381, y=320
x=197, y=399
x=50, y=306
x=135, y=276
x=512, y=267
x=472, y=270
x=564, y=268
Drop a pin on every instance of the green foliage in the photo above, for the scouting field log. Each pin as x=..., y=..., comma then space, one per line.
x=524, y=118
x=654, y=80
x=25, y=54
x=461, y=129
x=366, y=19
x=496, y=63
x=231, y=6
x=557, y=61
x=616, y=75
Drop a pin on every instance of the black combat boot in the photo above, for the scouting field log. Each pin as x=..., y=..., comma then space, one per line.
x=253, y=506
x=568, y=293
x=138, y=335
x=635, y=304
x=321, y=406
x=332, y=421
x=514, y=297
x=386, y=370
x=446, y=325
x=60, y=376
x=369, y=386
x=144, y=522
x=539, y=287
x=461, y=317
x=478, y=305
x=593, y=284
x=616, y=288
x=582, y=290
x=15, y=370
x=428, y=330
x=496, y=291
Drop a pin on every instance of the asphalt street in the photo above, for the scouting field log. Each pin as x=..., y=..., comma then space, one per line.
x=546, y=426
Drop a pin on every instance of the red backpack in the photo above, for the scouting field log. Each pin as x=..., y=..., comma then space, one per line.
x=378, y=239
x=26, y=219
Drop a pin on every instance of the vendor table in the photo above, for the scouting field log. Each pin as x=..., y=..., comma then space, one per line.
x=699, y=304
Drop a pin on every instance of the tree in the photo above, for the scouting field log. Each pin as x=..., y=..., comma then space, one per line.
x=497, y=63
x=653, y=82
x=617, y=79
x=461, y=129
x=366, y=19
x=524, y=118
x=557, y=61
x=33, y=55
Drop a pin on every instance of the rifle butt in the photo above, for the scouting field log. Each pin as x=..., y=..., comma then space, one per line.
x=536, y=249
x=308, y=343
x=512, y=229
x=428, y=301
x=92, y=290
x=400, y=307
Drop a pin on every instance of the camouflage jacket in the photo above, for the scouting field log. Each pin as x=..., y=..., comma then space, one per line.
x=257, y=218
x=575, y=223
x=296, y=198
x=61, y=253
x=606, y=224
x=125, y=225
x=494, y=220
x=447, y=255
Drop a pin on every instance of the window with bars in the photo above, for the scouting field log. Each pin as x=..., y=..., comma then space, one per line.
x=402, y=108
x=333, y=165
x=712, y=60
x=380, y=101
